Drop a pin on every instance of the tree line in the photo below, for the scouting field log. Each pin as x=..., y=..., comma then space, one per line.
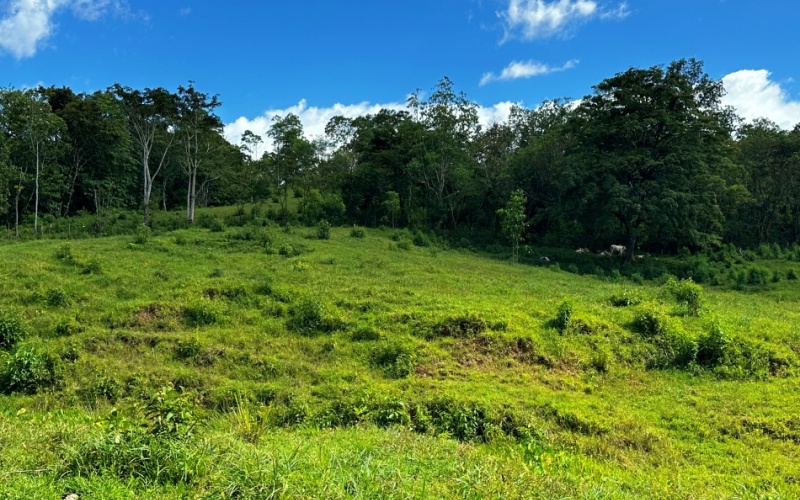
x=651, y=159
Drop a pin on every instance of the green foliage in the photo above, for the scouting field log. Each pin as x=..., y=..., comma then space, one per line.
x=11, y=331
x=310, y=317
x=396, y=359
x=169, y=413
x=67, y=326
x=563, y=317
x=323, y=230
x=358, y=232
x=688, y=293
x=650, y=322
x=57, y=298
x=202, y=313
x=627, y=298
x=365, y=333
x=465, y=326
x=143, y=235
x=514, y=220
x=27, y=371
x=791, y=275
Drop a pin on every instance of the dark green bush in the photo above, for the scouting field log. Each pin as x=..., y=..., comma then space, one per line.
x=468, y=325
x=201, y=314
x=366, y=333
x=323, y=230
x=310, y=317
x=67, y=326
x=650, y=323
x=142, y=235
x=397, y=360
x=358, y=232
x=57, y=298
x=626, y=298
x=27, y=371
x=687, y=293
x=791, y=274
x=563, y=316
x=11, y=331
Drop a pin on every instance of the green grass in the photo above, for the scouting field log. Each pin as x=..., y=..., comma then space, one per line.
x=359, y=367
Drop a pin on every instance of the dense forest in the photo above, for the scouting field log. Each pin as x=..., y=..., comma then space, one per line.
x=650, y=160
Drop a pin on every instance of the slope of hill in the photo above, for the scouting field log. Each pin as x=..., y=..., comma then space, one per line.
x=261, y=362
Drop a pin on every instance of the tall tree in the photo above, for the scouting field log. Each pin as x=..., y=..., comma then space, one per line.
x=36, y=137
x=292, y=154
x=152, y=116
x=444, y=166
x=650, y=145
x=196, y=125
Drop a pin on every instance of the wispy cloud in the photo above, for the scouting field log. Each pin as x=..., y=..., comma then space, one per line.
x=185, y=11
x=754, y=95
x=531, y=19
x=26, y=24
x=315, y=118
x=526, y=69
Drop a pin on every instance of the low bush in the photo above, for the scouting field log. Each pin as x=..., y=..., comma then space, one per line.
x=310, y=317
x=468, y=325
x=358, y=232
x=27, y=371
x=626, y=298
x=323, y=230
x=650, y=322
x=688, y=293
x=365, y=333
x=563, y=317
x=396, y=359
x=201, y=313
x=11, y=331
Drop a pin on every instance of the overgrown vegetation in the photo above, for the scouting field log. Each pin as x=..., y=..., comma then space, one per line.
x=206, y=362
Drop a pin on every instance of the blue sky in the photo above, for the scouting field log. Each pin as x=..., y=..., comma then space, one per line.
x=318, y=58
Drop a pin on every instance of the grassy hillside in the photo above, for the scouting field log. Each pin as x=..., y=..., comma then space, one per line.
x=260, y=362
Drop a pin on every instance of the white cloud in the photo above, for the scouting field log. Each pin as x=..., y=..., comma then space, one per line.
x=27, y=23
x=314, y=119
x=754, y=95
x=531, y=19
x=525, y=69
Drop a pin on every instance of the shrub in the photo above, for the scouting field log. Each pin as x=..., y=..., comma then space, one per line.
x=64, y=252
x=675, y=348
x=688, y=293
x=650, y=323
x=712, y=347
x=323, y=230
x=11, y=332
x=67, y=326
x=404, y=245
x=27, y=370
x=469, y=325
x=57, y=298
x=365, y=333
x=142, y=235
x=170, y=413
x=757, y=276
x=397, y=360
x=626, y=298
x=94, y=266
x=563, y=316
x=358, y=232
x=791, y=275
x=201, y=314
x=310, y=317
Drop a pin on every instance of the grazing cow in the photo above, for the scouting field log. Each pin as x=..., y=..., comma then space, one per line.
x=582, y=250
x=604, y=253
x=617, y=249
x=544, y=259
